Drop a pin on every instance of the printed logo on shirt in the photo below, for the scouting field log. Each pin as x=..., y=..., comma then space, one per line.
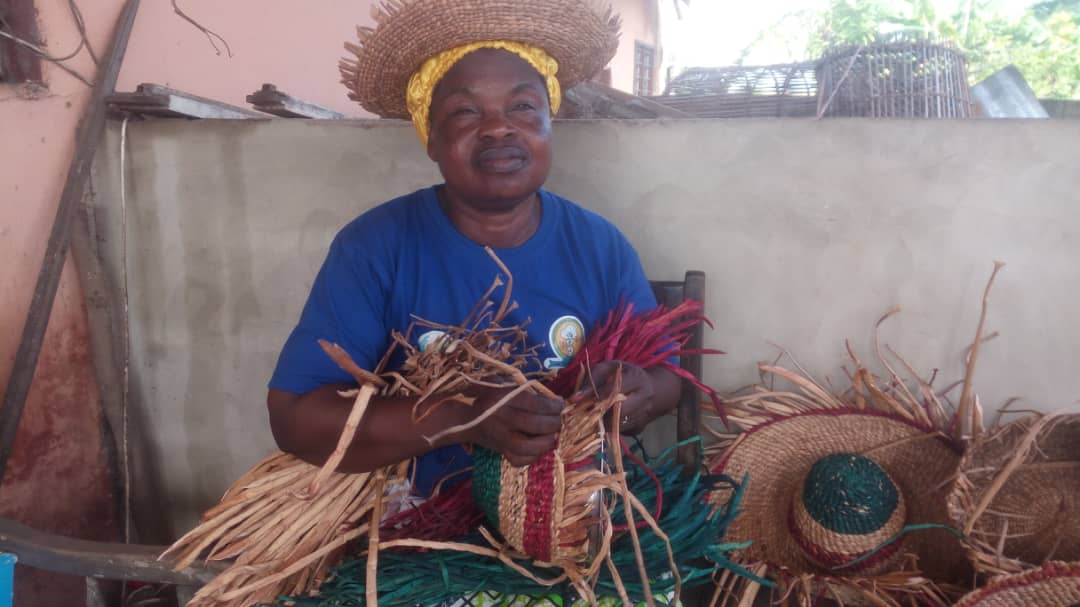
x=566, y=337
x=430, y=337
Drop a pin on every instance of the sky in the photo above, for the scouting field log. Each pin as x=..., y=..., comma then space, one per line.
x=713, y=32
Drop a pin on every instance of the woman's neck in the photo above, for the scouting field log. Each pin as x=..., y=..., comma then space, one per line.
x=502, y=228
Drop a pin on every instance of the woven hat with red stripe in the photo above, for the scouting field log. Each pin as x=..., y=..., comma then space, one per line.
x=1054, y=584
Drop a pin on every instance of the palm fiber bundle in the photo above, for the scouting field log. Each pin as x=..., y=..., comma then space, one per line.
x=410, y=576
x=847, y=497
x=282, y=525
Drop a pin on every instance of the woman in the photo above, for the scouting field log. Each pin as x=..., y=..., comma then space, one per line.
x=481, y=81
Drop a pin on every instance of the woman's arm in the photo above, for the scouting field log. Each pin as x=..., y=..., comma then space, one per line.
x=309, y=425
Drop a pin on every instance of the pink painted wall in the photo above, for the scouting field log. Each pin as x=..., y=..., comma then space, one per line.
x=294, y=44
x=58, y=477
x=640, y=22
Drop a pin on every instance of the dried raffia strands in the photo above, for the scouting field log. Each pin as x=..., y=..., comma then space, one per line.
x=284, y=523
x=904, y=429
x=1018, y=495
x=423, y=572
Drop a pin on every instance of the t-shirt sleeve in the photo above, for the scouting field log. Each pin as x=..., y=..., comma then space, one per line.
x=347, y=306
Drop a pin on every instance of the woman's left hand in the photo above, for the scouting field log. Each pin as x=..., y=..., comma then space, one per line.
x=649, y=393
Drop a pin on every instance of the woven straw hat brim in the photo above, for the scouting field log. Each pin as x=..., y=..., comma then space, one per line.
x=778, y=454
x=581, y=35
x=1055, y=584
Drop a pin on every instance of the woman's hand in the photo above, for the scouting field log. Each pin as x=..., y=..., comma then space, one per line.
x=649, y=393
x=521, y=430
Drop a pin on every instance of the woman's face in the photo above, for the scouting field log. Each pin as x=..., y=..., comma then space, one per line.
x=491, y=129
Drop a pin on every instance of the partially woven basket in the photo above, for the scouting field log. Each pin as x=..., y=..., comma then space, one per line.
x=1018, y=498
x=1054, y=584
x=548, y=510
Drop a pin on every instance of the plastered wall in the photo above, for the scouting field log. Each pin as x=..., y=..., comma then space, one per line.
x=808, y=231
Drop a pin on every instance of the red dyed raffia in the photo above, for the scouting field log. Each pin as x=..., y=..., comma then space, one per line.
x=538, y=496
x=644, y=340
x=444, y=517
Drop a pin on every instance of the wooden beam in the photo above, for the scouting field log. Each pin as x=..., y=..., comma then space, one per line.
x=41, y=303
x=103, y=560
x=270, y=100
x=151, y=99
x=688, y=424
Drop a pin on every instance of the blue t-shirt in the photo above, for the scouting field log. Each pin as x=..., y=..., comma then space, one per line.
x=405, y=258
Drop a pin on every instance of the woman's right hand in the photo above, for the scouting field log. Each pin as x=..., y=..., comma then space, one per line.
x=521, y=430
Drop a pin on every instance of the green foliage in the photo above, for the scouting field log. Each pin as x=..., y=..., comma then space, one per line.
x=1046, y=50
x=1043, y=42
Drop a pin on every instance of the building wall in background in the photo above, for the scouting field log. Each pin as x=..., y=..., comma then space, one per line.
x=640, y=23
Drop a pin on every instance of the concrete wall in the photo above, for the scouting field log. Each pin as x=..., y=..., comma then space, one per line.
x=808, y=232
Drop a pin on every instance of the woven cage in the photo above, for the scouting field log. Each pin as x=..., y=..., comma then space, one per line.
x=785, y=90
x=896, y=77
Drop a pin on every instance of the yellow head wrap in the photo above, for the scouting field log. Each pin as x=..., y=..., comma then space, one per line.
x=422, y=84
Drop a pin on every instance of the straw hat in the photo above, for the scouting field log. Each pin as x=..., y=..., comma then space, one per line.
x=1055, y=584
x=830, y=485
x=581, y=35
x=1019, y=494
